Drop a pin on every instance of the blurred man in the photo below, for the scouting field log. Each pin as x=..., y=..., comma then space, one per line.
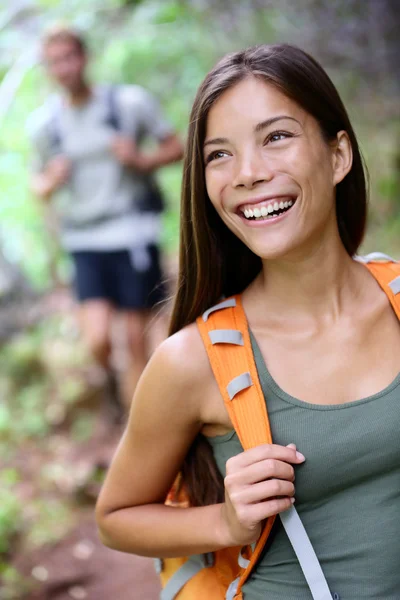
x=87, y=144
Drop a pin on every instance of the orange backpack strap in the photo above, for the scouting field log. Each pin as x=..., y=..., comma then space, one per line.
x=225, y=334
x=387, y=273
x=226, y=337
x=227, y=340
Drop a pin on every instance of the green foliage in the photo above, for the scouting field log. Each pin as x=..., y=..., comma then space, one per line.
x=11, y=516
x=39, y=379
x=389, y=188
x=13, y=585
x=51, y=519
x=166, y=46
x=82, y=427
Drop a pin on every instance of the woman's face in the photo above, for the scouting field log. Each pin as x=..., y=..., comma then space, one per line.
x=269, y=173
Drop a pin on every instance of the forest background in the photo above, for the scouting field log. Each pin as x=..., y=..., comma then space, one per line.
x=167, y=46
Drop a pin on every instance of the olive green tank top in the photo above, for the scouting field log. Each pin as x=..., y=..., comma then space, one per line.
x=347, y=493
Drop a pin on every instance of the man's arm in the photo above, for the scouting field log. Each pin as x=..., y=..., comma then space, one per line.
x=54, y=174
x=144, y=109
x=168, y=151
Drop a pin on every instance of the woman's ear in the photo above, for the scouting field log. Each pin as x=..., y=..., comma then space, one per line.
x=342, y=156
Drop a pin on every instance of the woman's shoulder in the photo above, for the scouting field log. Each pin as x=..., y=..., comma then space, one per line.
x=181, y=360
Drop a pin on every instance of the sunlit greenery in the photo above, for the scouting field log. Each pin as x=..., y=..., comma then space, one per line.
x=167, y=46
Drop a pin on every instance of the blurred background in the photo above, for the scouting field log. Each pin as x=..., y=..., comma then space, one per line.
x=54, y=445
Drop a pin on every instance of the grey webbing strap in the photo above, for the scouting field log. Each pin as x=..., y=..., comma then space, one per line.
x=188, y=570
x=232, y=589
x=395, y=285
x=224, y=304
x=226, y=336
x=242, y=561
x=239, y=383
x=375, y=256
x=305, y=554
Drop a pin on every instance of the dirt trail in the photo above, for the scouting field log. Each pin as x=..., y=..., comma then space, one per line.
x=81, y=568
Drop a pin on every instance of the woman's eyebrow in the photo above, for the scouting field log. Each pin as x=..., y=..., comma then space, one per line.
x=219, y=140
x=264, y=124
x=259, y=127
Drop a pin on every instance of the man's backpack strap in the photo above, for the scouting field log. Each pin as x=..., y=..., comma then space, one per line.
x=112, y=117
x=54, y=128
x=226, y=337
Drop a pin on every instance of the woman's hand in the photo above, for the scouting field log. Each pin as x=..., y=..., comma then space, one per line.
x=258, y=484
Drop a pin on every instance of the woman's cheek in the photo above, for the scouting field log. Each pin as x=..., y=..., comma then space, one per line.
x=215, y=187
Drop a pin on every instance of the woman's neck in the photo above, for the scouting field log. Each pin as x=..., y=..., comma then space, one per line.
x=319, y=285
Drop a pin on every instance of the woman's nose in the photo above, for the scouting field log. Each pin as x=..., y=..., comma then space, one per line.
x=251, y=170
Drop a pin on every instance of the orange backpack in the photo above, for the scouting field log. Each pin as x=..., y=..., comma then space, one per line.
x=220, y=575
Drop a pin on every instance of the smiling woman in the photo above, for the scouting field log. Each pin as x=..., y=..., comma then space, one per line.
x=273, y=212
x=266, y=162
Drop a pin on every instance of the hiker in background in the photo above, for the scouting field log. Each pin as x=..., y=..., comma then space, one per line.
x=87, y=147
x=274, y=211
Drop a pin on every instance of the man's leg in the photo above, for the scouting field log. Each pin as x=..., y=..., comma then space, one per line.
x=137, y=347
x=138, y=289
x=95, y=318
x=96, y=312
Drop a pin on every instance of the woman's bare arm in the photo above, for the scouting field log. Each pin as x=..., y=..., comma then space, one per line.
x=164, y=419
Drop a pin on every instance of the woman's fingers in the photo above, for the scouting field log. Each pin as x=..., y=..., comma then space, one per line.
x=260, y=471
x=265, y=452
x=258, y=484
x=261, y=492
x=252, y=514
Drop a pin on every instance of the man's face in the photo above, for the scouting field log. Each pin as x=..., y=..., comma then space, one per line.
x=65, y=63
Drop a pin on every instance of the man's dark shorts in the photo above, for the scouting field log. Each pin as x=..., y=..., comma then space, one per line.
x=129, y=279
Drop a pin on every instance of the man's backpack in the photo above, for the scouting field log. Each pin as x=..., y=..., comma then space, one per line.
x=153, y=200
x=220, y=575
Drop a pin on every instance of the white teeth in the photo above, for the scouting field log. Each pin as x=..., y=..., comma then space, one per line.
x=266, y=211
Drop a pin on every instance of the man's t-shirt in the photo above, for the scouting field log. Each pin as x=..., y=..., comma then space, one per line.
x=100, y=206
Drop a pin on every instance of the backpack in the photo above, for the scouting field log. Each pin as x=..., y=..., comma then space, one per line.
x=153, y=200
x=220, y=575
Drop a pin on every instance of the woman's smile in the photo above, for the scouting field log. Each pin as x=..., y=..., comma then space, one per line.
x=268, y=164
x=267, y=210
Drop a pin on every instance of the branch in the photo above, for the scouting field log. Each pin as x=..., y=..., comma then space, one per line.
x=13, y=79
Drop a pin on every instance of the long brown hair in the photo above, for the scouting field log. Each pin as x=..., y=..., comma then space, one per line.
x=213, y=262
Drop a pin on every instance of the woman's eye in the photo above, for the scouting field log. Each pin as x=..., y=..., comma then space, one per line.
x=278, y=136
x=215, y=155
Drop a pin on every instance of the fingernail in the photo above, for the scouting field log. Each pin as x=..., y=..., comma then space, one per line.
x=292, y=500
x=300, y=456
x=291, y=446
